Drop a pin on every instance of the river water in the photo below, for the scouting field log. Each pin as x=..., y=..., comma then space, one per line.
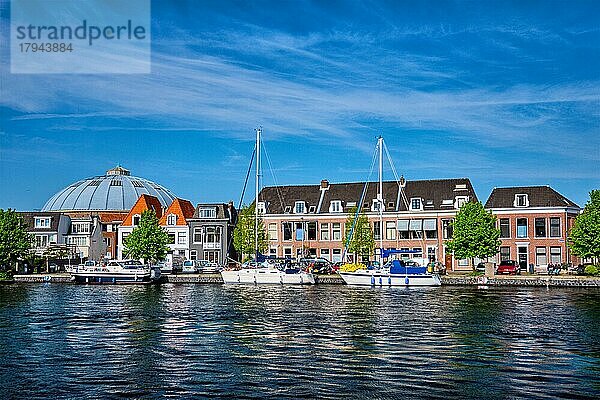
x=195, y=341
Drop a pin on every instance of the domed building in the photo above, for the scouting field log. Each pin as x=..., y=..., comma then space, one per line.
x=115, y=191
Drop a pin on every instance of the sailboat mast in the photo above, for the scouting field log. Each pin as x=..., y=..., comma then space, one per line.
x=257, y=189
x=380, y=194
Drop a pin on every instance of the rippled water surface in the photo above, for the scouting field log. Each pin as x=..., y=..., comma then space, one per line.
x=66, y=341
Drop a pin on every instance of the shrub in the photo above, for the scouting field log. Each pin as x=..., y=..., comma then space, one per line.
x=592, y=270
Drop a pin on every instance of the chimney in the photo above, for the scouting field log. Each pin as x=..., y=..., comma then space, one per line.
x=324, y=184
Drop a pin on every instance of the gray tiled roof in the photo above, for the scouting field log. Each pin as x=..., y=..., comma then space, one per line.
x=278, y=197
x=539, y=196
x=29, y=220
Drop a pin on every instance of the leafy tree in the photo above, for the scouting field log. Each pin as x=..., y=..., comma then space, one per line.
x=475, y=233
x=148, y=241
x=15, y=242
x=584, y=239
x=244, y=239
x=362, y=242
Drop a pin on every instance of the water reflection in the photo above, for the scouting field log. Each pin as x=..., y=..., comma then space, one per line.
x=279, y=342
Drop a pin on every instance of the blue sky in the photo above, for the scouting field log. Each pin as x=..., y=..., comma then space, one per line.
x=505, y=93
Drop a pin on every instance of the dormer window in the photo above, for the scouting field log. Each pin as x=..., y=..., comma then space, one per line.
x=261, y=207
x=171, y=219
x=460, y=200
x=312, y=209
x=300, y=207
x=288, y=209
x=377, y=205
x=42, y=222
x=207, y=212
x=335, y=206
x=416, y=203
x=521, y=200
x=136, y=220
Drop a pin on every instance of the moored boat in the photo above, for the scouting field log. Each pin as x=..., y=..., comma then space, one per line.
x=395, y=273
x=128, y=271
x=266, y=273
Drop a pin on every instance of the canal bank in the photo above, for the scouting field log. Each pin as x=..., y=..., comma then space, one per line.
x=447, y=280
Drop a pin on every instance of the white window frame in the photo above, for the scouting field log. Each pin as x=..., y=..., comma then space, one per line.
x=261, y=207
x=420, y=200
x=182, y=238
x=172, y=219
x=335, y=206
x=139, y=218
x=460, y=200
x=518, y=196
x=376, y=204
x=207, y=212
x=300, y=207
x=42, y=222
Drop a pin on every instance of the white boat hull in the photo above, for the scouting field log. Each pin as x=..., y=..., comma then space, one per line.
x=266, y=276
x=373, y=278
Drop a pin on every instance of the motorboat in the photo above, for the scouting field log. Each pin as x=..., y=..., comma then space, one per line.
x=116, y=271
x=394, y=273
x=267, y=273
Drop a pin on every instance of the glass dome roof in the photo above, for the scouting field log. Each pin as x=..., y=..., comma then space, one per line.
x=115, y=191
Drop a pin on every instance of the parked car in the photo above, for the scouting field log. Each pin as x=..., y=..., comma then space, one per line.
x=510, y=267
x=189, y=267
x=208, y=267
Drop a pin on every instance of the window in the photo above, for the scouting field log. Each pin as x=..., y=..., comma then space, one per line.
x=460, y=200
x=540, y=256
x=42, y=222
x=41, y=240
x=79, y=240
x=447, y=230
x=171, y=238
x=325, y=231
x=403, y=228
x=431, y=234
x=287, y=230
x=418, y=252
x=390, y=230
x=337, y=255
x=261, y=207
x=521, y=200
x=207, y=212
x=212, y=234
x=198, y=235
x=312, y=209
x=555, y=255
x=431, y=253
x=376, y=205
x=80, y=227
x=376, y=230
x=288, y=209
x=272, y=231
x=171, y=219
x=430, y=228
x=193, y=254
x=312, y=231
x=554, y=227
x=522, y=227
x=287, y=252
x=335, y=206
x=107, y=241
x=211, y=255
x=325, y=253
x=336, y=231
x=136, y=220
x=540, y=227
x=300, y=207
x=299, y=230
x=273, y=251
x=504, y=253
x=504, y=228
x=415, y=203
x=181, y=238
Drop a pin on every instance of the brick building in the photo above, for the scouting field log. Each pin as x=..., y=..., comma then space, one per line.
x=416, y=215
x=534, y=222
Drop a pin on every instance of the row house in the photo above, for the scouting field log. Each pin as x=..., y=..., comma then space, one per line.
x=175, y=221
x=132, y=219
x=534, y=223
x=49, y=229
x=110, y=222
x=309, y=220
x=211, y=230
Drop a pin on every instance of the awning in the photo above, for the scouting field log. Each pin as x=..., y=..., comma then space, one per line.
x=429, y=224
x=416, y=224
x=402, y=224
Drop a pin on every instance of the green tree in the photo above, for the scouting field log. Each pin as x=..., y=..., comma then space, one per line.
x=148, y=241
x=244, y=239
x=15, y=242
x=362, y=242
x=584, y=238
x=475, y=233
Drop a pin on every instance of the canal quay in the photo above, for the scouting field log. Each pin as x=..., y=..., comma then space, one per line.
x=447, y=280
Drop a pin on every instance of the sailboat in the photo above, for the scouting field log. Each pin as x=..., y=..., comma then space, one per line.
x=394, y=272
x=261, y=270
